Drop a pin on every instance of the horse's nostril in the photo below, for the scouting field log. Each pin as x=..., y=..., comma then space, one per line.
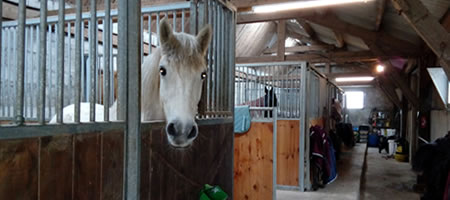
x=171, y=129
x=192, y=133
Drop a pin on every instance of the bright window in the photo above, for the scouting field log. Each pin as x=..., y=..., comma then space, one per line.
x=355, y=100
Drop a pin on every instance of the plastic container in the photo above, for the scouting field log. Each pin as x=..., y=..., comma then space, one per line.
x=392, y=146
x=372, y=140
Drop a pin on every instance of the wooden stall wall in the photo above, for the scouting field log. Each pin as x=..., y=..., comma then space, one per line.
x=253, y=160
x=84, y=166
x=288, y=132
x=169, y=173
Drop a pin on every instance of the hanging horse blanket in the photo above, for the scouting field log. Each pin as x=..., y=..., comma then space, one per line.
x=242, y=119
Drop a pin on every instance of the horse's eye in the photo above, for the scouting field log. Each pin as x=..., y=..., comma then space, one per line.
x=162, y=71
x=203, y=75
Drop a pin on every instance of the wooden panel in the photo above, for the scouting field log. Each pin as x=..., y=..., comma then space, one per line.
x=112, y=166
x=181, y=173
x=253, y=163
x=19, y=169
x=288, y=132
x=87, y=167
x=56, y=167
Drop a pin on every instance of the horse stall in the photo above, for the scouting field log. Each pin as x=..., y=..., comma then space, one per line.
x=274, y=152
x=76, y=59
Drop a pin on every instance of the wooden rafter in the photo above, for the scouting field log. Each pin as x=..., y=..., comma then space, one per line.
x=389, y=43
x=429, y=29
x=346, y=56
x=11, y=11
x=249, y=3
x=389, y=90
x=281, y=34
x=393, y=75
x=301, y=49
x=381, y=6
x=339, y=39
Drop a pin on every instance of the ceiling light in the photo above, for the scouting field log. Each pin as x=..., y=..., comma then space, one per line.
x=302, y=4
x=379, y=68
x=355, y=79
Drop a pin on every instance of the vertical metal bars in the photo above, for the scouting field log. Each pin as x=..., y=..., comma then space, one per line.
x=20, y=63
x=107, y=58
x=60, y=69
x=93, y=57
x=1, y=66
x=78, y=60
x=129, y=14
x=303, y=129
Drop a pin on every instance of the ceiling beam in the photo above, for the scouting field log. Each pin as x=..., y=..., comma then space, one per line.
x=348, y=74
x=339, y=57
x=429, y=29
x=339, y=39
x=301, y=49
x=389, y=90
x=381, y=6
x=281, y=43
x=393, y=75
x=249, y=3
x=445, y=20
x=11, y=11
x=389, y=43
x=245, y=18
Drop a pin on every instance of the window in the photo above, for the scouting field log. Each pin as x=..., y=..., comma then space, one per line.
x=355, y=100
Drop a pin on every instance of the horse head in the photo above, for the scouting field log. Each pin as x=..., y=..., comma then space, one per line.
x=182, y=69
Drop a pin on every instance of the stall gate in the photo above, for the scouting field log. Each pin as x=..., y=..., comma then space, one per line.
x=300, y=95
x=53, y=61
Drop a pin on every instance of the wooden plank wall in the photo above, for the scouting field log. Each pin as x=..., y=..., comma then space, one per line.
x=90, y=166
x=87, y=166
x=171, y=173
x=288, y=133
x=253, y=162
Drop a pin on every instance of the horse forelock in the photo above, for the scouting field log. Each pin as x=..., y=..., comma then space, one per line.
x=187, y=53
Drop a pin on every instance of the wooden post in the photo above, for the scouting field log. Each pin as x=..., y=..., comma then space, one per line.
x=281, y=30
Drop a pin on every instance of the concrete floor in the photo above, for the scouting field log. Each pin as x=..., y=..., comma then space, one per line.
x=383, y=179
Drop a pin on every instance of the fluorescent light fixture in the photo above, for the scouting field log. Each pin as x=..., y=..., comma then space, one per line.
x=379, y=68
x=302, y=4
x=355, y=79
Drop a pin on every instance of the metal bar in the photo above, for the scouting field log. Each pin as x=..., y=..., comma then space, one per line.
x=183, y=16
x=27, y=73
x=1, y=47
x=157, y=27
x=216, y=62
x=69, y=55
x=274, y=155
x=303, y=129
x=3, y=76
x=133, y=120
x=149, y=34
x=142, y=41
x=78, y=61
x=174, y=17
x=101, y=14
x=288, y=187
x=93, y=58
x=34, y=131
x=221, y=59
x=20, y=63
x=107, y=59
x=423, y=140
x=268, y=64
x=60, y=60
x=209, y=56
x=122, y=61
x=193, y=18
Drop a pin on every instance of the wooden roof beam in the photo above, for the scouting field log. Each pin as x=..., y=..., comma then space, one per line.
x=281, y=43
x=381, y=6
x=339, y=57
x=389, y=90
x=429, y=29
x=388, y=42
x=340, y=42
x=393, y=75
x=301, y=49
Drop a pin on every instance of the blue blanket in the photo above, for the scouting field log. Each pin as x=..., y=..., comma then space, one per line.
x=242, y=119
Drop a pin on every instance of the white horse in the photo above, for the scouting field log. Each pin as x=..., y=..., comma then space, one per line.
x=172, y=79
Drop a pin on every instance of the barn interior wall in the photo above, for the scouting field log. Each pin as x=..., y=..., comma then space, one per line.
x=374, y=98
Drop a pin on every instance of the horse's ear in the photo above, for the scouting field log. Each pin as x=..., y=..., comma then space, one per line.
x=166, y=38
x=204, y=38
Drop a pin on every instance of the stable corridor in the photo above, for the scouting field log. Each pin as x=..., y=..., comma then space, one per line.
x=378, y=178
